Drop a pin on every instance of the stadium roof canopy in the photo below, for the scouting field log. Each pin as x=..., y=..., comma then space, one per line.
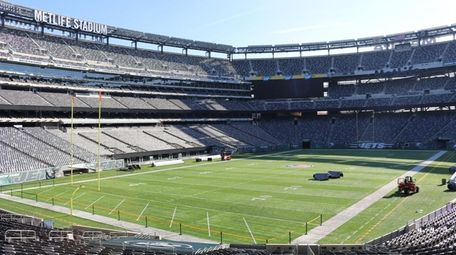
x=55, y=21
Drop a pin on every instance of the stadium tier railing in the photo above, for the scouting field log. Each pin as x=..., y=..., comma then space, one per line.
x=414, y=224
x=48, y=173
x=25, y=176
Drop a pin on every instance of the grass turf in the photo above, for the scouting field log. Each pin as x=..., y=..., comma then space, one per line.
x=395, y=211
x=269, y=195
x=61, y=220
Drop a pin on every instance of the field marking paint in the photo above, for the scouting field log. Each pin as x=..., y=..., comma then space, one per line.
x=117, y=206
x=172, y=218
x=208, y=224
x=316, y=218
x=46, y=190
x=381, y=220
x=145, y=207
x=292, y=188
x=95, y=202
x=155, y=171
x=395, y=207
x=250, y=231
x=174, y=178
x=61, y=193
x=204, y=173
x=206, y=208
x=262, y=198
x=355, y=209
x=135, y=184
x=78, y=196
x=368, y=222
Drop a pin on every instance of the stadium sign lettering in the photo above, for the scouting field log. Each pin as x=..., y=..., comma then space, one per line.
x=68, y=22
x=374, y=146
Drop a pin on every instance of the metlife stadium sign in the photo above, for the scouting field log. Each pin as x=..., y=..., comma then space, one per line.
x=69, y=22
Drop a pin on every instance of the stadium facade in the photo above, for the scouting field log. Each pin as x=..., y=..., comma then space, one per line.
x=71, y=98
x=58, y=72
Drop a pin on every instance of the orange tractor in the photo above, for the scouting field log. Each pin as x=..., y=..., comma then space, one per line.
x=407, y=185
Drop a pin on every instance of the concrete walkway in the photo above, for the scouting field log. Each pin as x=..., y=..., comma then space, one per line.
x=110, y=221
x=339, y=219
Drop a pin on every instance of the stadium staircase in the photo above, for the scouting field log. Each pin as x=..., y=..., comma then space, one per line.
x=119, y=102
x=411, y=57
x=409, y=120
x=44, y=99
x=179, y=104
x=211, y=138
x=52, y=145
x=179, y=138
x=254, y=135
x=390, y=57
x=360, y=61
x=295, y=138
x=4, y=99
x=213, y=132
x=452, y=98
x=239, y=134
x=129, y=145
x=25, y=154
x=365, y=134
x=174, y=145
x=111, y=149
x=444, y=128
x=331, y=129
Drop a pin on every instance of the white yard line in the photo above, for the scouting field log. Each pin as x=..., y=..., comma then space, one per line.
x=145, y=207
x=78, y=196
x=95, y=201
x=349, y=213
x=250, y=231
x=208, y=224
x=367, y=222
x=61, y=193
x=117, y=206
x=132, y=227
x=172, y=218
x=152, y=172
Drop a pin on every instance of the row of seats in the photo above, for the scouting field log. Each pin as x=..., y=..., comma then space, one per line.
x=435, y=236
x=346, y=129
x=83, y=53
x=67, y=51
x=346, y=64
x=31, y=98
x=36, y=148
x=172, y=137
x=393, y=87
x=31, y=148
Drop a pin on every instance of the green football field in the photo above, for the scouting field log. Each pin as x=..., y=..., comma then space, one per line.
x=259, y=197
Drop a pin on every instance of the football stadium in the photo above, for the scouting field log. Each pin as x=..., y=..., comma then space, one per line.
x=121, y=141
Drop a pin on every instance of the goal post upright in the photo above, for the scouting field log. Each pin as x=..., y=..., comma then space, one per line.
x=71, y=139
x=98, y=140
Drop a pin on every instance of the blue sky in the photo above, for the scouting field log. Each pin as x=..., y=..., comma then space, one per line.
x=253, y=22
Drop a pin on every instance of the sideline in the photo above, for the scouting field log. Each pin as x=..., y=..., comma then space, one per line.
x=120, y=223
x=319, y=232
x=147, y=172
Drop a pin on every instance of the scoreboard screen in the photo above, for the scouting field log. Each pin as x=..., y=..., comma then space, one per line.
x=279, y=89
